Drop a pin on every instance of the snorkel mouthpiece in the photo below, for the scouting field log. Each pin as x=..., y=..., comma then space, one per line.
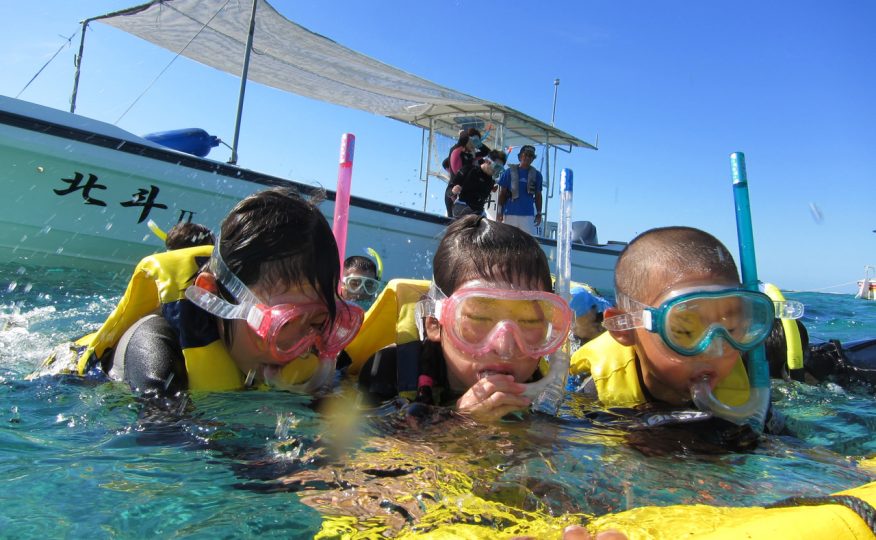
x=275, y=377
x=753, y=410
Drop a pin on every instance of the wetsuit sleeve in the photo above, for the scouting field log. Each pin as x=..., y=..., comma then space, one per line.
x=150, y=359
x=378, y=380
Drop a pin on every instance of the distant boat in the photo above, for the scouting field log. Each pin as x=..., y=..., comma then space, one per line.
x=79, y=192
x=866, y=286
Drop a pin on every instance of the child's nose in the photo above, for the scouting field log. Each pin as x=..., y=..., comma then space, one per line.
x=716, y=347
x=503, y=343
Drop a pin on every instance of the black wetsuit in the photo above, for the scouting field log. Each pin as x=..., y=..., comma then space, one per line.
x=150, y=358
x=384, y=378
x=853, y=363
x=467, y=160
x=476, y=188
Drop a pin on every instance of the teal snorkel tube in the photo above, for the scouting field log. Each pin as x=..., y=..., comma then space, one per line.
x=754, y=410
x=547, y=394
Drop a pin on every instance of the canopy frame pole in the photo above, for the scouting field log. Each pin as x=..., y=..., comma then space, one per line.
x=243, y=77
x=429, y=161
x=422, y=151
x=553, y=122
x=77, y=63
x=551, y=188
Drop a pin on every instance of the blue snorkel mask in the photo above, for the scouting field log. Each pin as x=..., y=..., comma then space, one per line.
x=694, y=321
x=498, y=168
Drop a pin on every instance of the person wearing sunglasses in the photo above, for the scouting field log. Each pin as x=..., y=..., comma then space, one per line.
x=682, y=319
x=487, y=323
x=261, y=307
x=361, y=282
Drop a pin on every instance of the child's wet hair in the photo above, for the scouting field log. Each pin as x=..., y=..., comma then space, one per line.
x=278, y=238
x=187, y=234
x=360, y=264
x=664, y=255
x=474, y=247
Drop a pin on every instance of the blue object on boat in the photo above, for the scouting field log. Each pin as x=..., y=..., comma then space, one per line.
x=193, y=141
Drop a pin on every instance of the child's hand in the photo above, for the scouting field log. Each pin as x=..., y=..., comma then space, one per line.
x=493, y=397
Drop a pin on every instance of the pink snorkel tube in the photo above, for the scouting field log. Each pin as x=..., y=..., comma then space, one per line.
x=342, y=195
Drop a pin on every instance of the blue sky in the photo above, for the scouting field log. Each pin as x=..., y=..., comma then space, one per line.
x=670, y=88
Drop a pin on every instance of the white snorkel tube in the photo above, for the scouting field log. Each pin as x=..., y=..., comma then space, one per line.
x=547, y=393
x=753, y=411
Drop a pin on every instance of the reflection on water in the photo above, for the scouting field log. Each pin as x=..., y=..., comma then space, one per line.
x=83, y=457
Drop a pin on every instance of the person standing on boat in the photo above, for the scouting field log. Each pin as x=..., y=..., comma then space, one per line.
x=468, y=147
x=475, y=183
x=520, y=187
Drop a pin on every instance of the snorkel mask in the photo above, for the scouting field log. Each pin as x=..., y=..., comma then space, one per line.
x=498, y=168
x=362, y=284
x=691, y=321
x=479, y=320
x=289, y=330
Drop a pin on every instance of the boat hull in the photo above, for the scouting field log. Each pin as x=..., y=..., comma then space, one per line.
x=866, y=290
x=78, y=193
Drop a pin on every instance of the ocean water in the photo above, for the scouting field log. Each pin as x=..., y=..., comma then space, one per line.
x=85, y=458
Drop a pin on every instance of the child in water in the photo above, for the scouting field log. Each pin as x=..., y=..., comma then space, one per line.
x=489, y=320
x=682, y=319
x=260, y=306
x=360, y=283
x=186, y=234
x=588, y=307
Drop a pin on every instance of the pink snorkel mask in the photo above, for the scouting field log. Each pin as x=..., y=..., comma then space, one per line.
x=478, y=320
x=289, y=330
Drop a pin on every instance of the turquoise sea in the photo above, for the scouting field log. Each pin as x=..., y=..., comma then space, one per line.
x=84, y=458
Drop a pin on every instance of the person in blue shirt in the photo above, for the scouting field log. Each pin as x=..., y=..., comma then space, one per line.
x=520, y=187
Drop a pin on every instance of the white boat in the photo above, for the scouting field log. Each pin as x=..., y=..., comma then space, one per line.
x=867, y=286
x=78, y=192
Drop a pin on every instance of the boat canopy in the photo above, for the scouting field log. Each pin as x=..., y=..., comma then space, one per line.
x=290, y=57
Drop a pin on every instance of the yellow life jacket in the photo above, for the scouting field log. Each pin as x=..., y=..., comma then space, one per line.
x=390, y=320
x=158, y=283
x=615, y=373
x=826, y=518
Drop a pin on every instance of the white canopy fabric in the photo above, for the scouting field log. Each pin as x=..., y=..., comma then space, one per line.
x=292, y=58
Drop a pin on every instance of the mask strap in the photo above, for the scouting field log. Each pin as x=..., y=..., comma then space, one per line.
x=228, y=278
x=428, y=306
x=218, y=306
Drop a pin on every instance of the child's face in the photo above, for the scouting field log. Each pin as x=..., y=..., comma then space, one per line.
x=588, y=326
x=503, y=356
x=361, y=294
x=668, y=374
x=251, y=352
